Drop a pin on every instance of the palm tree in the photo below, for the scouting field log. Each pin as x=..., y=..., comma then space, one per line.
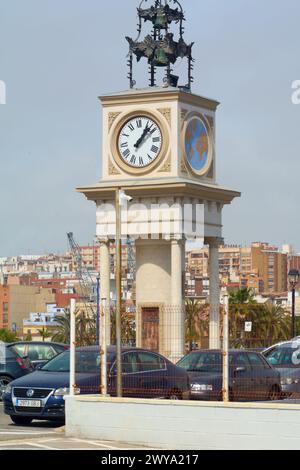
x=128, y=329
x=273, y=324
x=44, y=333
x=241, y=305
x=192, y=308
x=242, y=296
x=28, y=337
x=7, y=336
x=196, y=321
x=85, y=328
x=62, y=333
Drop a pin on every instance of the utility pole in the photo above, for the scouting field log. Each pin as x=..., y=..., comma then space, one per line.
x=98, y=312
x=225, y=388
x=103, y=348
x=118, y=293
x=121, y=200
x=294, y=280
x=72, y=347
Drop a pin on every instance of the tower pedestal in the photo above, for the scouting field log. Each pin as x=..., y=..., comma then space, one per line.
x=160, y=297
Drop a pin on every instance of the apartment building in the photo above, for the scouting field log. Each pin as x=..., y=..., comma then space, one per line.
x=17, y=302
x=271, y=266
x=4, y=306
x=260, y=267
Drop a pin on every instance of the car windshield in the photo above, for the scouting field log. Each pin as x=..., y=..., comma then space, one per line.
x=201, y=362
x=85, y=362
x=287, y=356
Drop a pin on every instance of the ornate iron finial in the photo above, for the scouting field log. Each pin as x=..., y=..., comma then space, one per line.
x=160, y=47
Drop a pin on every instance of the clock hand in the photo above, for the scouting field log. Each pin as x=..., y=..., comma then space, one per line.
x=138, y=143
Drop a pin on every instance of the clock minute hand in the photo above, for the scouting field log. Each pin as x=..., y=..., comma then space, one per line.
x=138, y=143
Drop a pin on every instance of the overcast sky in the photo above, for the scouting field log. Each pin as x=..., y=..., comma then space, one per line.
x=57, y=56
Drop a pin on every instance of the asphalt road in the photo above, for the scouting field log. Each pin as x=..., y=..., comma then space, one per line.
x=47, y=436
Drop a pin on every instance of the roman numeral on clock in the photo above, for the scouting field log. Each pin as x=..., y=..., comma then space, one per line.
x=153, y=129
x=141, y=161
x=133, y=159
x=124, y=145
x=139, y=123
x=126, y=153
x=156, y=139
x=154, y=149
x=131, y=127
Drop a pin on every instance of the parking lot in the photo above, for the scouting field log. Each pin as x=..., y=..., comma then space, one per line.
x=47, y=436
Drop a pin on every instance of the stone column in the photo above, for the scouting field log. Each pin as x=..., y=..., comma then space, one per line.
x=176, y=314
x=105, y=283
x=214, y=293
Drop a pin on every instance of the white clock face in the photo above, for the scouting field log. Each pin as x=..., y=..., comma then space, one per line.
x=140, y=142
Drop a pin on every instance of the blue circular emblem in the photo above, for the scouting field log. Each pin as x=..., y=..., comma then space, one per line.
x=197, y=144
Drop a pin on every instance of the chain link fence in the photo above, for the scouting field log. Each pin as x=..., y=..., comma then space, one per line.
x=165, y=354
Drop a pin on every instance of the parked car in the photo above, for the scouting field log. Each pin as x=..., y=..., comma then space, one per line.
x=145, y=374
x=38, y=352
x=285, y=357
x=12, y=366
x=250, y=375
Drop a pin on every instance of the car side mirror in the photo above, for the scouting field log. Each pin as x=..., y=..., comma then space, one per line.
x=38, y=366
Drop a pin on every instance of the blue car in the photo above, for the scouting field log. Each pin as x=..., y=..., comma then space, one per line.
x=145, y=374
x=250, y=375
x=12, y=366
x=285, y=358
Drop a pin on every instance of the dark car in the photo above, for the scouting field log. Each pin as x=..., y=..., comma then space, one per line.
x=12, y=366
x=38, y=352
x=250, y=375
x=285, y=357
x=145, y=374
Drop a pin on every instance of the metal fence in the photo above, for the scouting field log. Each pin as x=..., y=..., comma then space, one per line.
x=166, y=355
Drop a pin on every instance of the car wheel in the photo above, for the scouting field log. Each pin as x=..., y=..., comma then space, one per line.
x=21, y=420
x=175, y=395
x=274, y=393
x=4, y=381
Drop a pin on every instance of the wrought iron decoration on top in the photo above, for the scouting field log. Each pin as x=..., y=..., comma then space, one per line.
x=160, y=47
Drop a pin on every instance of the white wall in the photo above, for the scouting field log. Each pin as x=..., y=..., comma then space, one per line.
x=184, y=425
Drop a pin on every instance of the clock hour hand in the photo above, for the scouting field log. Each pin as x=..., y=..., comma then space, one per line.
x=138, y=143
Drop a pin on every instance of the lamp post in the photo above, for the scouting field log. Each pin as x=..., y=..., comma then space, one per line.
x=293, y=279
x=121, y=200
x=98, y=312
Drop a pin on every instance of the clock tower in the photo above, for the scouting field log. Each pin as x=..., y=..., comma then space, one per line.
x=158, y=145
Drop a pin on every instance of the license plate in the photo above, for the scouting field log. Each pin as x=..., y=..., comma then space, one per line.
x=29, y=403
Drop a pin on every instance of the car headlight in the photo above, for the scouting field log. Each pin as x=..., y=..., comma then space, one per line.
x=201, y=388
x=61, y=392
x=8, y=389
x=289, y=381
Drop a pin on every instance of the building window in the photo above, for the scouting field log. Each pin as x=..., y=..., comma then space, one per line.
x=5, y=312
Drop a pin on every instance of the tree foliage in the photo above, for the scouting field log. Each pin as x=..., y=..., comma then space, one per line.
x=86, y=328
x=270, y=323
x=8, y=336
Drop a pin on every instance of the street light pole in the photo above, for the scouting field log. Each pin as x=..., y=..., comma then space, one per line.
x=118, y=293
x=294, y=280
x=103, y=348
x=98, y=312
x=121, y=200
x=293, y=311
x=225, y=351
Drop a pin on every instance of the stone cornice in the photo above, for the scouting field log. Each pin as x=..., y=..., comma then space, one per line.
x=176, y=188
x=158, y=95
